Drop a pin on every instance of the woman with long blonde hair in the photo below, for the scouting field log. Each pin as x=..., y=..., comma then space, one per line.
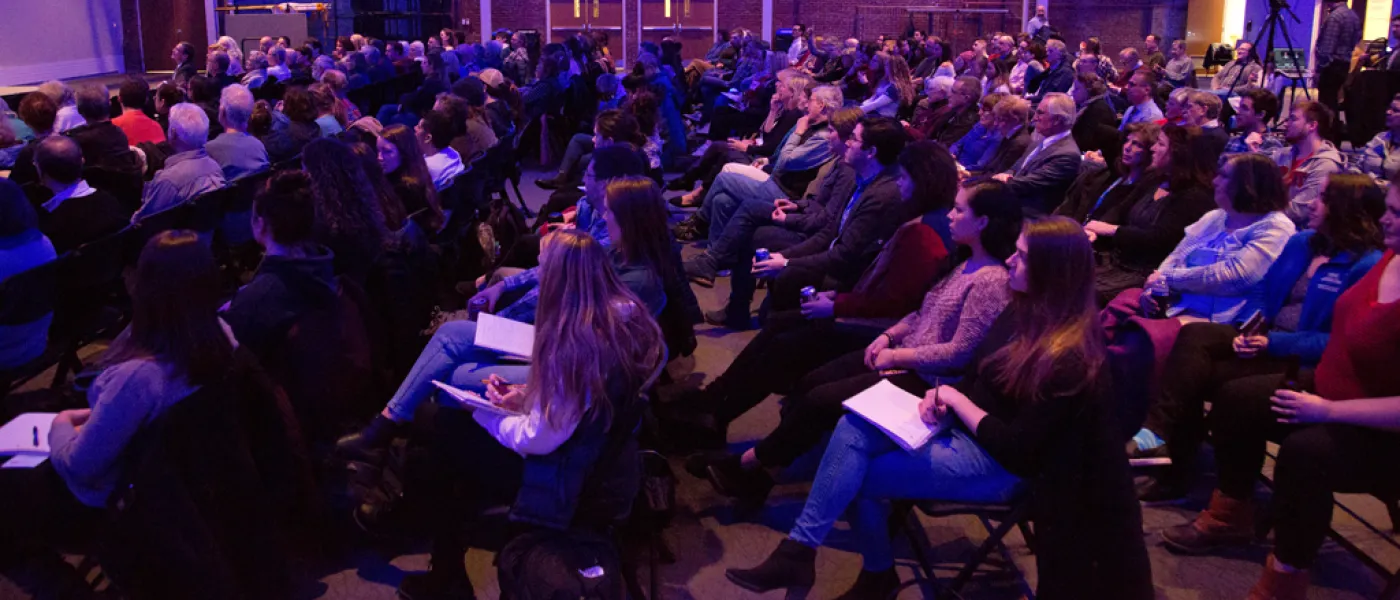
x=894, y=89
x=1030, y=414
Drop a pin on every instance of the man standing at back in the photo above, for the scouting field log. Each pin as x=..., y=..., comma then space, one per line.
x=1339, y=34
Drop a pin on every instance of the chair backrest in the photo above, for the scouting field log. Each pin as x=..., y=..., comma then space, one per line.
x=125, y=185
x=27, y=296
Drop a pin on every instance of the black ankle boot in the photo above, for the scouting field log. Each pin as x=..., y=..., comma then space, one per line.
x=437, y=584
x=368, y=445
x=872, y=585
x=792, y=565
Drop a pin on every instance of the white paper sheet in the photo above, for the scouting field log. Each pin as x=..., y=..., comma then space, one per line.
x=504, y=335
x=895, y=412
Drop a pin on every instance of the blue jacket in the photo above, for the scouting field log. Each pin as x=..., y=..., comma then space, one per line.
x=1327, y=284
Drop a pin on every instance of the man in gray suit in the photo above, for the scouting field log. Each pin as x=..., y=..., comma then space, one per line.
x=1051, y=162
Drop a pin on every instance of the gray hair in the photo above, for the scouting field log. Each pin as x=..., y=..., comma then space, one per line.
x=57, y=91
x=1055, y=44
x=236, y=106
x=940, y=83
x=256, y=60
x=189, y=125
x=829, y=96
x=1060, y=105
x=415, y=49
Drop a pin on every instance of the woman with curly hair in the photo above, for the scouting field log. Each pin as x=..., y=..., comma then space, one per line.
x=348, y=218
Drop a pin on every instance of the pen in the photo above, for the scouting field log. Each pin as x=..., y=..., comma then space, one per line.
x=36, y=436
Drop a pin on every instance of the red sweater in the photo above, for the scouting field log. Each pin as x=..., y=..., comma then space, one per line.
x=1362, y=354
x=894, y=285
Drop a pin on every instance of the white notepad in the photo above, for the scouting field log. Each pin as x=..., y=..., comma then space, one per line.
x=472, y=400
x=26, y=434
x=504, y=335
x=895, y=412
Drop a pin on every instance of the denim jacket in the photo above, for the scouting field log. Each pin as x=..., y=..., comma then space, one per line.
x=1220, y=273
x=1326, y=285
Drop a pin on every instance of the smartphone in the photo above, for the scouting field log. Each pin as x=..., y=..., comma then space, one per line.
x=1253, y=325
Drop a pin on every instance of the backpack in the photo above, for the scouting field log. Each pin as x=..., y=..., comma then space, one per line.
x=560, y=565
x=503, y=226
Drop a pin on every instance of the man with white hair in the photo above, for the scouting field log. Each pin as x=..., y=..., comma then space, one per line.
x=1058, y=76
x=277, y=69
x=256, y=73
x=62, y=95
x=187, y=173
x=1050, y=164
x=237, y=153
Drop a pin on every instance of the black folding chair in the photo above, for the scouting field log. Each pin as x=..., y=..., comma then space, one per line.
x=26, y=297
x=998, y=519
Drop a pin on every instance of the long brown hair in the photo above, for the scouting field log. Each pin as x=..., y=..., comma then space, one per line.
x=595, y=341
x=1354, y=207
x=174, y=310
x=412, y=165
x=1191, y=159
x=389, y=203
x=640, y=212
x=897, y=72
x=346, y=209
x=1058, y=348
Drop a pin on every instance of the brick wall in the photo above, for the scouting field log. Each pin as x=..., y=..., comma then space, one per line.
x=470, y=10
x=1119, y=23
x=517, y=14
x=866, y=19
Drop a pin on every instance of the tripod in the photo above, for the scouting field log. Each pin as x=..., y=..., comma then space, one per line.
x=1272, y=25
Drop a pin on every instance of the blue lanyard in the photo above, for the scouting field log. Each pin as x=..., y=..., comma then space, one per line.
x=1097, y=203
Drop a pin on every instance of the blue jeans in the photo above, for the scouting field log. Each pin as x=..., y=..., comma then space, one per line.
x=729, y=191
x=863, y=466
x=451, y=357
x=747, y=218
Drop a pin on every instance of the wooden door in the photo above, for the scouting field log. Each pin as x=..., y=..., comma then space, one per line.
x=571, y=17
x=692, y=22
x=164, y=24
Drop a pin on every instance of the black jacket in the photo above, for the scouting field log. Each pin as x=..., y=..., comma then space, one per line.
x=78, y=221
x=1096, y=129
x=1058, y=79
x=1042, y=181
x=1009, y=151
x=949, y=126
x=283, y=144
x=1069, y=448
x=1148, y=229
x=877, y=213
x=282, y=290
x=105, y=145
x=1085, y=193
x=832, y=192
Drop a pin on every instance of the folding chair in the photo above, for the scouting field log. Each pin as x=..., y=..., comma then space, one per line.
x=998, y=519
x=26, y=297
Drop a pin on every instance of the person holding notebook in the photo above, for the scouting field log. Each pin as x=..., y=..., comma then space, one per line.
x=931, y=343
x=1030, y=413
x=640, y=262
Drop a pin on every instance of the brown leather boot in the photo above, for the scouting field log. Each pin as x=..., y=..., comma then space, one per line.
x=1226, y=522
x=1274, y=584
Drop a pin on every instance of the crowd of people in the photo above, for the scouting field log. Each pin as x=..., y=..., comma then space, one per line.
x=1064, y=254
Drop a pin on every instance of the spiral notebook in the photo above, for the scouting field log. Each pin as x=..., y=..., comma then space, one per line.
x=472, y=401
x=895, y=412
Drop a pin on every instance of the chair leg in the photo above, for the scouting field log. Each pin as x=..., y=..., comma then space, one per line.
x=529, y=214
x=917, y=540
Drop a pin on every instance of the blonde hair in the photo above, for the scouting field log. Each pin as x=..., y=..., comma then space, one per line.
x=800, y=85
x=897, y=73
x=596, y=343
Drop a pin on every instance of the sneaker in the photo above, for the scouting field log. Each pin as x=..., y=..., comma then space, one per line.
x=701, y=270
x=1152, y=457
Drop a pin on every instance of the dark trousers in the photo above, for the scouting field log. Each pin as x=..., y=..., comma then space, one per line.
x=1329, y=86
x=741, y=280
x=1314, y=462
x=730, y=121
x=39, y=518
x=469, y=473
x=1241, y=421
x=789, y=347
x=813, y=410
x=712, y=163
x=1201, y=362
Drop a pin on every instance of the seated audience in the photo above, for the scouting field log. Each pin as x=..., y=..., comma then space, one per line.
x=894, y=88
x=1010, y=121
x=1139, y=93
x=798, y=159
x=1257, y=107
x=1041, y=176
x=330, y=117
x=63, y=96
x=401, y=159
x=188, y=172
x=1095, y=124
x=1059, y=73
x=204, y=93
x=435, y=133
x=1342, y=243
x=1100, y=189
x=216, y=68
x=472, y=137
x=277, y=70
x=340, y=87
x=256, y=74
x=1203, y=110
x=950, y=123
x=785, y=223
x=974, y=150
x=22, y=247
x=1036, y=388
x=285, y=143
x=1139, y=231
x=1309, y=157
x=1240, y=74
x=1129, y=63
x=349, y=220
x=1030, y=63
x=133, y=121
x=74, y=213
x=1381, y=156
x=185, y=69
x=39, y=112
x=835, y=256
x=598, y=351
x=1181, y=68
x=1334, y=432
x=237, y=153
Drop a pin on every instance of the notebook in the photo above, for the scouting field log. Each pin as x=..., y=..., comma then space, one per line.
x=895, y=412
x=26, y=434
x=504, y=335
x=472, y=400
